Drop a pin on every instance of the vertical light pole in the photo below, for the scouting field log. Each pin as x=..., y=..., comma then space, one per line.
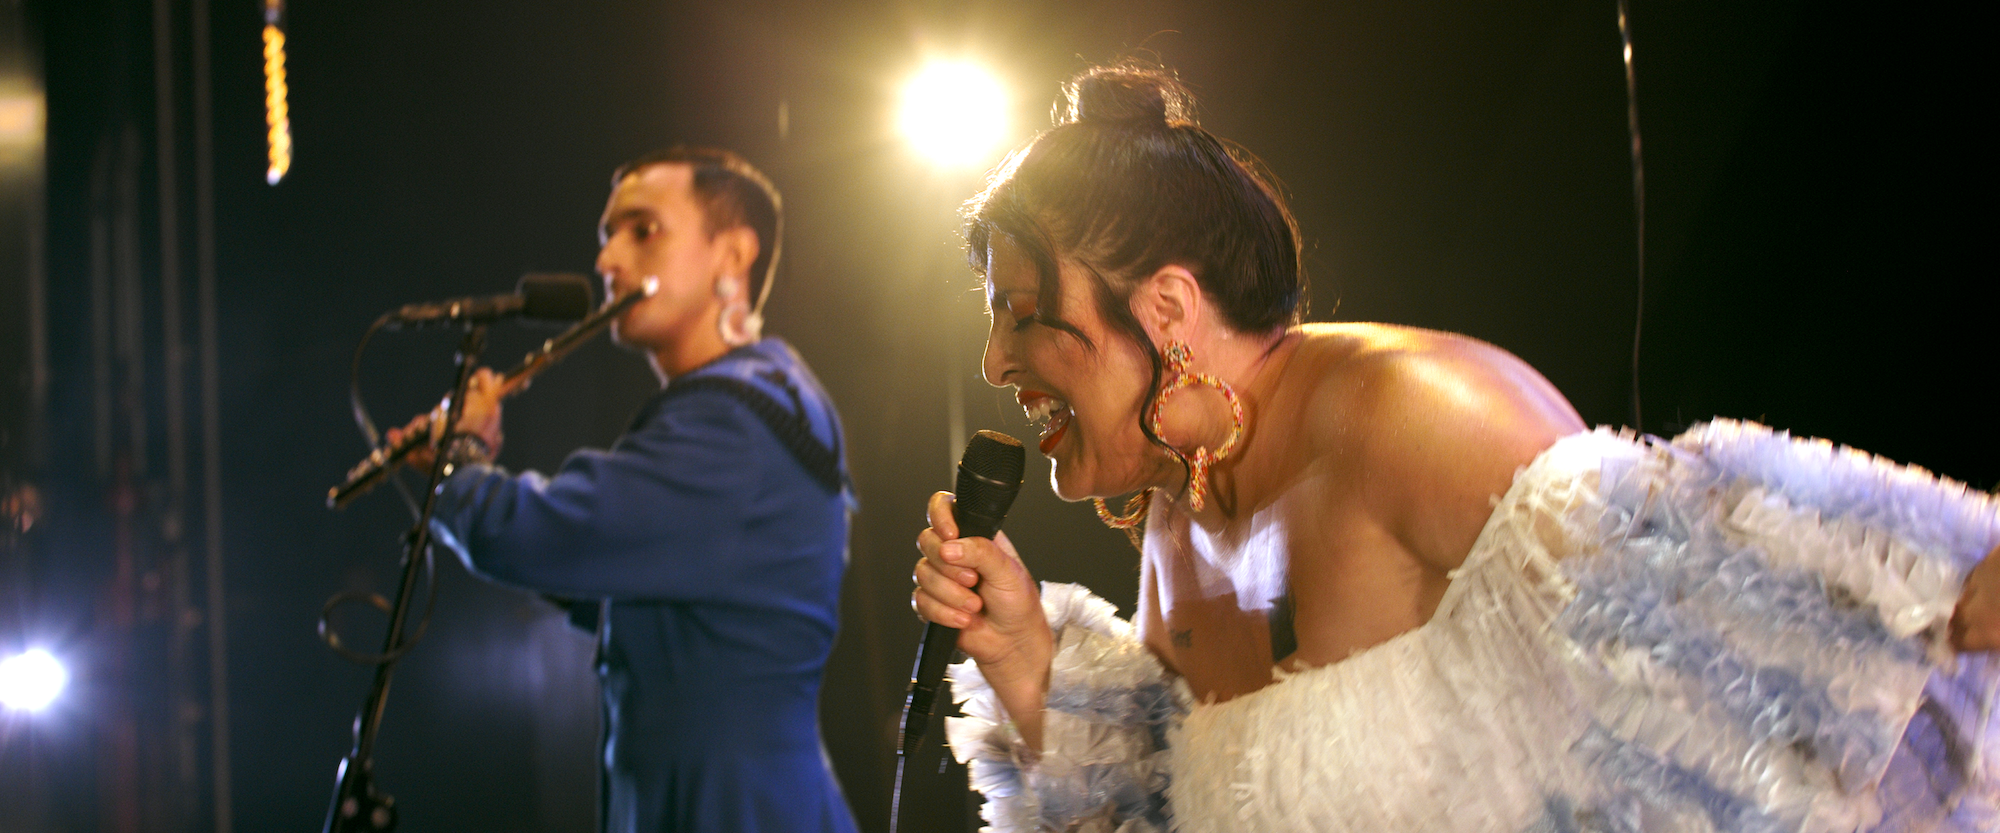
x=953, y=114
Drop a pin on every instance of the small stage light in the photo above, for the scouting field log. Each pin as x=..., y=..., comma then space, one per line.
x=954, y=114
x=30, y=681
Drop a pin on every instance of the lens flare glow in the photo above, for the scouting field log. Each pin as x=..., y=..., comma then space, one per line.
x=954, y=114
x=31, y=680
x=20, y=118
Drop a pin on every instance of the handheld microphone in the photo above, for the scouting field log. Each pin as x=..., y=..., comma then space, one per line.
x=542, y=296
x=989, y=476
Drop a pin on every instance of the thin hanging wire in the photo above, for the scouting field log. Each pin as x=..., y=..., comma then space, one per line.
x=1638, y=203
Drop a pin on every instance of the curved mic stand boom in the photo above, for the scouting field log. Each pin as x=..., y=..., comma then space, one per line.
x=356, y=806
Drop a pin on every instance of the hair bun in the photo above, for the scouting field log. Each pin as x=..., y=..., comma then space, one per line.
x=1129, y=94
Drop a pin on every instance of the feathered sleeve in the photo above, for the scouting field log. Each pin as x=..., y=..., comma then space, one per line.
x=1762, y=634
x=1103, y=765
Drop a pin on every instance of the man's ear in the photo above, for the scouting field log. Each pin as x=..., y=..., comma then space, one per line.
x=1169, y=303
x=739, y=250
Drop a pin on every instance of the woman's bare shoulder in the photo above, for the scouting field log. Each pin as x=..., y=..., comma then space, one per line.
x=1371, y=381
x=1372, y=341
x=1375, y=364
x=1428, y=426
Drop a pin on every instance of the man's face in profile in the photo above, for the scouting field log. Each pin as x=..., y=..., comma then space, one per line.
x=654, y=228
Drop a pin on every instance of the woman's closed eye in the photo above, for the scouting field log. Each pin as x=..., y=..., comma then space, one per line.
x=1023, y=308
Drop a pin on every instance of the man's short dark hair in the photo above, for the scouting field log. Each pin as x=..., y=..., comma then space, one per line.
x=732, y=193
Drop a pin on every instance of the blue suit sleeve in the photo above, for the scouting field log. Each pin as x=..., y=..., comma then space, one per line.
x=646, y=519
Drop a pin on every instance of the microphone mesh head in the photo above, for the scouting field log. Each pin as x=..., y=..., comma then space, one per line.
x=555, y=296
x=995, y=456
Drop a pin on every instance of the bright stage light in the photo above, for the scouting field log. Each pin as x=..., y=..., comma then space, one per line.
x=31, y=680
x=954, y=114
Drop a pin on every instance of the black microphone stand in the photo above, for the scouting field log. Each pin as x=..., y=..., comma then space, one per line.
x=356, y=806
x=918, y=718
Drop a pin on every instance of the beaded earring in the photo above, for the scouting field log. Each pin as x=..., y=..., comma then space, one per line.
x=1128, y=523
x=1177, y=357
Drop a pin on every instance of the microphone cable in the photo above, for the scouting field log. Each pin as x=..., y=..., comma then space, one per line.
x=1638, y=203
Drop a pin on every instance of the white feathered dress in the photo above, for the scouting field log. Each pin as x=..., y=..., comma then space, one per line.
x=1734, y=631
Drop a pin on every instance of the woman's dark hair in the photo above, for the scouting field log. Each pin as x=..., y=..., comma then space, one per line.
x=1126, y=183
x=732, y=193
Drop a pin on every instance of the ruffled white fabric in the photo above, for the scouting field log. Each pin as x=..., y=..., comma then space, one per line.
x=1737, y=631
x=1102, y=766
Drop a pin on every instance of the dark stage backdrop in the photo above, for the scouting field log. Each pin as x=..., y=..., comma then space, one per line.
x=1810, y=249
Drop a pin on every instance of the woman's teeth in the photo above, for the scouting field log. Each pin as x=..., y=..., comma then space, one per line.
x=1042, y=408
x=1054, y=428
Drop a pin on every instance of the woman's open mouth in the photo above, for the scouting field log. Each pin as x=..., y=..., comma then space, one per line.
x=1052, y=414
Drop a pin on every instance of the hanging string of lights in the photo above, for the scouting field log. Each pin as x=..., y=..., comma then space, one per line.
x=277, y=114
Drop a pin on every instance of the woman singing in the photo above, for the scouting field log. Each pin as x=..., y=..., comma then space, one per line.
x=1389, y=581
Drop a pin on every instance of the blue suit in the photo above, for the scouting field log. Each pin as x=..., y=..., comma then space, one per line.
x=715, y=532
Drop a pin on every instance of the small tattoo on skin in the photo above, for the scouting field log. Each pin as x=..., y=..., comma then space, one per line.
x=1184, y=639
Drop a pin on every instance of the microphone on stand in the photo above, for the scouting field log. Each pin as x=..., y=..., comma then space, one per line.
x=989, y=476
x=540, y=295
x=374, y=468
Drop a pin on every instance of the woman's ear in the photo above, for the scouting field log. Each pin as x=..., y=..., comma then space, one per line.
x=1169, y=303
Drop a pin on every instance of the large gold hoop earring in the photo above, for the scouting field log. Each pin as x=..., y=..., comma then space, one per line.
x=1178, y=354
